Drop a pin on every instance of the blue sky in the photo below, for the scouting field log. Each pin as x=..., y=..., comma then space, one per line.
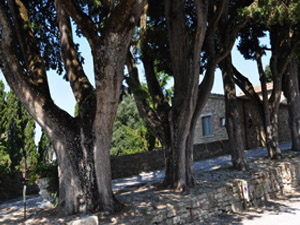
x=63, y=97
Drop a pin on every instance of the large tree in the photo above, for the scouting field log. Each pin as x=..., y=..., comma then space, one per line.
x=190, y=28
x=29, y=46
x=226, y=35
x=279, y=19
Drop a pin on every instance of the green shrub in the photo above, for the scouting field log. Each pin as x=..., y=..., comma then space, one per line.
x=46, y=170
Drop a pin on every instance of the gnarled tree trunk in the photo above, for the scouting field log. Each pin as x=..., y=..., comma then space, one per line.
x=109, y=64
x=77, y=183
x=82, y=144
x=291, y=92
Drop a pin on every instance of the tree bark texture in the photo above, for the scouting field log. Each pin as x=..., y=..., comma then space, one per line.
x=82, y=144
x=278, y=65
x=268, y=115
x=233, y=122
x=185, y=65
x=292, y=94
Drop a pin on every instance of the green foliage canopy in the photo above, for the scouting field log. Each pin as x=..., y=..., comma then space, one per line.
x=17, y=133
x=273, y=12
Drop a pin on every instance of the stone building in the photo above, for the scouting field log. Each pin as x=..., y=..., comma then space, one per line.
x=211, y=123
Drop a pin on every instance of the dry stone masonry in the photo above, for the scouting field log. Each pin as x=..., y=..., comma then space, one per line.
x=218, y=192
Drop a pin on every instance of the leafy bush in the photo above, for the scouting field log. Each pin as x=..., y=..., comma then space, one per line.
x=46, y=170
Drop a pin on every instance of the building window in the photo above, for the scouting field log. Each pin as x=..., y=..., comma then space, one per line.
x=222, y=121
x=206, y=125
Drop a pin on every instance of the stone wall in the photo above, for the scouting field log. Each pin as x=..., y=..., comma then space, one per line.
x=128, y=165
x=252, y=125
x=272, y=183
x=220, y=192
x=12, y=187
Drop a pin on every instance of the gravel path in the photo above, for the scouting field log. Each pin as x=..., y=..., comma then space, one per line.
x=12, y=212
x=14, y=208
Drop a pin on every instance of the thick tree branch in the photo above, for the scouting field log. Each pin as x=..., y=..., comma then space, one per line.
x=202, y=13
x=147, y=113
x=230, y=38
x=213, y=23
x=260, y=68
x=217, y=15
x=160, y=103
x=228, y=28
x=86, y=25
x=202, y=16
x=122, y=18
x=37, y=103
x=31, y=54
x=205, y=87
x=246, y=86
x=125, y=15
x=204, y=90
x=279, y=63
x=81, y=87
x=286, y=60
x=175, y=19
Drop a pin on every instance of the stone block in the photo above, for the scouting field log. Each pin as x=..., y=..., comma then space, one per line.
x=237, y=206
x=196, y=212
x=176, y=220
x=195, y=203
x=157, y=219
x=219, y=196
x=182, y=210
x=88, y=220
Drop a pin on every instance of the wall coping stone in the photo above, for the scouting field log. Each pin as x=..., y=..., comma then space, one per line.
x=87, y=220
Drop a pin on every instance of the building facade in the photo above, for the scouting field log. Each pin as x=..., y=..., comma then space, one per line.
x=211, y=123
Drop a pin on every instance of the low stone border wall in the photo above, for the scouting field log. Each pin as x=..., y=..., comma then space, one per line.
x=266, y=179
x=274, y=182
x=129, y=165
x=11, y=187
x=264, y=185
